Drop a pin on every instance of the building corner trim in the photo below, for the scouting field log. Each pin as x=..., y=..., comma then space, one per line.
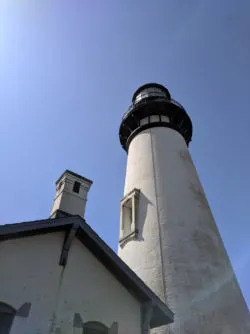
x=69, y=236
x=146, y=315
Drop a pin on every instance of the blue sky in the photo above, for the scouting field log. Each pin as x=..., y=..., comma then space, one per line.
x=68, y=70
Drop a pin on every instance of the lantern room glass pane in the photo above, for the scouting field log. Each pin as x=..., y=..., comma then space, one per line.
x=150, y=92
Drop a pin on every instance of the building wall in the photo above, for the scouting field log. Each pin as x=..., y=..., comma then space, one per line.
x=60, y=297
x=179, y=252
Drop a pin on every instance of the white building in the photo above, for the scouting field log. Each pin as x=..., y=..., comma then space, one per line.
x=58, y=277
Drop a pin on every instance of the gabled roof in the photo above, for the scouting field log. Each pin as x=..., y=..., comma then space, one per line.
x=76, y=226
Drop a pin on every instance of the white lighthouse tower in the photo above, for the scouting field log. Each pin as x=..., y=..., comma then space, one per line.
x=168, y=235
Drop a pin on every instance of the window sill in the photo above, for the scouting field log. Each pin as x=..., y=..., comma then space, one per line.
x=129, y=236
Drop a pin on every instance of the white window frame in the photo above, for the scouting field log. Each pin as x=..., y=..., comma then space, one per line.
x=129, y=220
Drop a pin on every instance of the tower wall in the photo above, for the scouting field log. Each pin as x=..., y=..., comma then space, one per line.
x=178, y=251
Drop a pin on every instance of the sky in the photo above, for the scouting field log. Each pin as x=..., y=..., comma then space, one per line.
x=68, y=70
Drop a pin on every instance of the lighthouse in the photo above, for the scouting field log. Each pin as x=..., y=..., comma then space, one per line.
x=168, y=235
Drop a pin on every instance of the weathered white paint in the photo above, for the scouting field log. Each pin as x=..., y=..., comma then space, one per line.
x=30, y=273
x=67, y=200
x=179, y=252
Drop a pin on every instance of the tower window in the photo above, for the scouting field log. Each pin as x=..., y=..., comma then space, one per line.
x=76, y=187
x=129, y=208
x=127, y=216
